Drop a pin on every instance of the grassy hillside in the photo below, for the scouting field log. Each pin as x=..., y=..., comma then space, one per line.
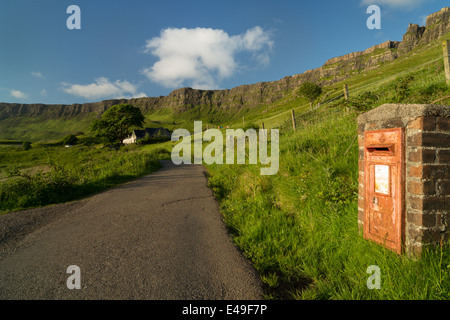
x=299, y=227
x=47, y=175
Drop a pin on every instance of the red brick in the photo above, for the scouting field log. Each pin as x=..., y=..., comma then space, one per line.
x=415, y=171
x=361, y=203
x=361, y=128
x=415, y=140
x=393, y=123
x=361, y=141
x=422, y=155
x=436, y=171
x=415, y=203
x=443, y=124
x=443, y=156
x=361, y=153
x=361, y=165
x=426, y=203
x=429, y=171
x=427, y=124
x=429, y=139
x=433, y=203
x=421, y=187
x=361, y=215
x=421, y=219
x=443, y=187
x=435, y=139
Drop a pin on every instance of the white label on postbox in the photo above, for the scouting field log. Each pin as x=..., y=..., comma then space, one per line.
x=382, y=179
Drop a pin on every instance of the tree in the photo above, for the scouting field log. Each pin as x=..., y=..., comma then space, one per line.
x=70, y=139
x=310, y=91
x=116, y=123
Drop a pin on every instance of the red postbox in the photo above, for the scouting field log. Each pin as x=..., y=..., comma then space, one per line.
x=384, y=187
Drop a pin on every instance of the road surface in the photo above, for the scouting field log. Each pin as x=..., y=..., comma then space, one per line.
x=158, y=237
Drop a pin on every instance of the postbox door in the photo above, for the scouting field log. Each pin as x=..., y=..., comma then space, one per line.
x=382, y=214
x=383, y=217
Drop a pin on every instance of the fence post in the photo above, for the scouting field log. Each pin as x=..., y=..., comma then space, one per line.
x=262, y=125
x=346, y=97
x=446, y=47
x=293, y=119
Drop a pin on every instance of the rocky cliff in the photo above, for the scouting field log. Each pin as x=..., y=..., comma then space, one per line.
x=265, y=93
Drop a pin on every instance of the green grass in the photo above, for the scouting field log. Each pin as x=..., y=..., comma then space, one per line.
x=299, y=227
x=49, y=175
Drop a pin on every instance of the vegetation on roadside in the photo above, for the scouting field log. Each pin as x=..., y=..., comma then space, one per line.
x=49, y=175
x=299, y=228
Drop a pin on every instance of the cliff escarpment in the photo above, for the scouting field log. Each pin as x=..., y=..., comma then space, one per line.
x=265, y=93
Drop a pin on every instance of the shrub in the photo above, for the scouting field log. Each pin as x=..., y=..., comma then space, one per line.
x=26, y=145
x=70, y=139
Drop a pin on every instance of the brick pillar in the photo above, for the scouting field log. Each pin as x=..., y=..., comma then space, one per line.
x=427, y=169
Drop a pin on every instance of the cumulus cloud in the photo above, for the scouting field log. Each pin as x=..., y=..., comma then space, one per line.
x=202, y=56
x=394, y=3
x=18, y=94
x=104, y=88
x=37, y=75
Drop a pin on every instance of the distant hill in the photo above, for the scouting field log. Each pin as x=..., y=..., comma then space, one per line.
x=40, y=121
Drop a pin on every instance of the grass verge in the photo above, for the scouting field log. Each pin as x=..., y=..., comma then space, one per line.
x=66, y=174
x=299, y=227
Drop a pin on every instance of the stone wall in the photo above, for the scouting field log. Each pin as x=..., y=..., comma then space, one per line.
x=427, y=169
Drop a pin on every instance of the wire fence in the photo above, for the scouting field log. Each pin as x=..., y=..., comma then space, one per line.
x=325, y=110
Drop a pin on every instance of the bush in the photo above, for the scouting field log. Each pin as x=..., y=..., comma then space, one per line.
x=402, y=88
x=26, y=145
x=250, y=125
x=70, y=139
x=364, y=101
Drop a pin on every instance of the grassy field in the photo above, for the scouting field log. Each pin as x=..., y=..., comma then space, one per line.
x=299, y=227
x=48, y=175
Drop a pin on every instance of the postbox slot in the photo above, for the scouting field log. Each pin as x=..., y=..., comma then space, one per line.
x=381, y=150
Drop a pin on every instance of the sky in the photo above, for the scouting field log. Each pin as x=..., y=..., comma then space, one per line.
x=53, y=54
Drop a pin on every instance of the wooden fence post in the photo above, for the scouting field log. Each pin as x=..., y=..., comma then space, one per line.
x=293, y=119
x=446, y=47
x=346, y=97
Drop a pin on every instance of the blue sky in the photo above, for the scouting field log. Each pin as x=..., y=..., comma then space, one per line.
x=133, y=48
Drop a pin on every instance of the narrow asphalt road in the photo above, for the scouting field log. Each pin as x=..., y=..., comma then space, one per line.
x=158, y=237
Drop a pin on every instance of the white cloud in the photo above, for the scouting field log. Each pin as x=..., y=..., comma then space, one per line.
x=202, y=56
x=394, y=3
x=37, y=75
x=18, y=94
x=103, y=88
